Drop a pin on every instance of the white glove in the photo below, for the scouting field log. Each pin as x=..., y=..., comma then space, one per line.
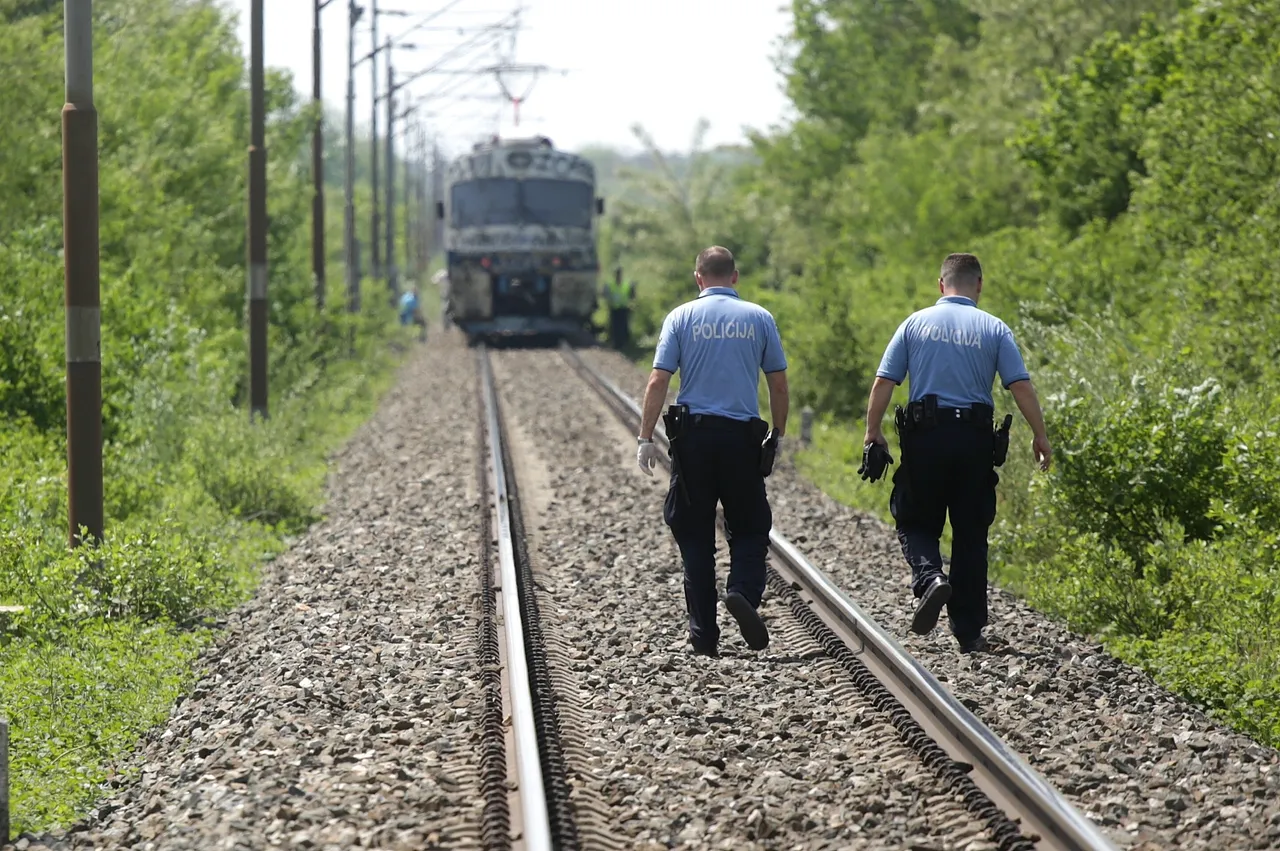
x=647, y=455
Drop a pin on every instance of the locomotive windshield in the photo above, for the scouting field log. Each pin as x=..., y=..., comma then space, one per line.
x=504, y=201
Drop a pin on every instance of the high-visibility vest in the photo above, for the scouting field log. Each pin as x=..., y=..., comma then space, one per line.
x=616, y=294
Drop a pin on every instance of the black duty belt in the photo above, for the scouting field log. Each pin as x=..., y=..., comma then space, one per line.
x=926, y=413
x=981, y=414
x=715, y=420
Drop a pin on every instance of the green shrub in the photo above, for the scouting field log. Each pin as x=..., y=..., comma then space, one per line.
x=1131, y=461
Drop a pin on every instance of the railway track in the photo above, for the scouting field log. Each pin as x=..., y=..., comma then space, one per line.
x=524, y=782
x=1021, y=809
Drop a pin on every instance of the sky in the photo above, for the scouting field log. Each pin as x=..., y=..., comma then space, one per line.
x=661, y=63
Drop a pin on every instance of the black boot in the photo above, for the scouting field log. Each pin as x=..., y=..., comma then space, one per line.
x=749, y=620
x=930, y=606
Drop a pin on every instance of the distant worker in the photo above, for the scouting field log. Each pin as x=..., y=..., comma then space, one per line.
x=411, y=312
x=952, y=352
x=721, y=450
x=618, y=297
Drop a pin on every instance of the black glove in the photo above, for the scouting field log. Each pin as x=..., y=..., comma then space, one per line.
x=875, y=458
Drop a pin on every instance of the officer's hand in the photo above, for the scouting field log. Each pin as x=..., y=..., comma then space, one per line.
x=875, y=437
x=646, y=456
x=875, y=459
x=1042, y=451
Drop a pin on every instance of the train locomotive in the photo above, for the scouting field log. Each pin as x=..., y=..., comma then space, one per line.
x=520, y=241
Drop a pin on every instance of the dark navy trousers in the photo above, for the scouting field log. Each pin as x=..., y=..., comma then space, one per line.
x=719, y=463
x=948, y=470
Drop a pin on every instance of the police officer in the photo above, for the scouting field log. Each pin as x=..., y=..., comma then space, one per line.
x=719, y=343
x=952, y=352
x=618, y=297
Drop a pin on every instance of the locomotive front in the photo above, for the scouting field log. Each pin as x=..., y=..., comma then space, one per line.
x=520, y=240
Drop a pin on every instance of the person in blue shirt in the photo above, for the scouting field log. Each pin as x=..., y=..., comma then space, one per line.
x=952, y=352
x=411, y=312
x=719, y=344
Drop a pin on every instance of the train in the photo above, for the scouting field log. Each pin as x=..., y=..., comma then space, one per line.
x=519, y=223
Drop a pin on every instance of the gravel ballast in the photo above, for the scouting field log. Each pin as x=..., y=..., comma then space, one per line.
x=1148, y=767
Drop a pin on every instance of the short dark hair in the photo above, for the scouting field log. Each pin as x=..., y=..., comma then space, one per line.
x=715, y=262
x=961, y=270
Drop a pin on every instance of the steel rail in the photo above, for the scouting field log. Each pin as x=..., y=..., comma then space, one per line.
x=536, y=824
x=1046, y=816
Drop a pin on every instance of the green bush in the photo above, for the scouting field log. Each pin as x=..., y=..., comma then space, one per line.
x=1131, y=461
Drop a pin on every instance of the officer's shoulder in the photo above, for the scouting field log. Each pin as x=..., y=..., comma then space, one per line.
x=679, y=313
x=918, y=316
x=997, y=324
x=758, y=309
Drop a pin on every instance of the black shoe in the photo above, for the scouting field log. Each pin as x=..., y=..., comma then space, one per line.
x=930, y=606
x=975, y=645
x=705, y=650
x=749, y=620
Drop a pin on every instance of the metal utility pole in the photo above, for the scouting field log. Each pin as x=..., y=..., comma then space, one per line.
x=373, y=136
x=426, y=211
x=437, y=194
x=317, y=163
x=257, y=221
x=80, y=279
x=412, y=212
x=393, y=283
x=408, y=194
x=351, y=248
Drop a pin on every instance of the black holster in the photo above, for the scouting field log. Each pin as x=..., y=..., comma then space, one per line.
x=676, y=423
x=768, y=441
x=920, y=415
x=1000, y=442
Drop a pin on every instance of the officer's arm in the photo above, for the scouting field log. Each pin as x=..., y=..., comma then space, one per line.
x=779, y=399
x=655, y=393
x=877, y=404
x=1024, y=393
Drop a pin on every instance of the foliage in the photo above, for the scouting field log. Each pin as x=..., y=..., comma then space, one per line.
x=1115, y=167
x=195, y=495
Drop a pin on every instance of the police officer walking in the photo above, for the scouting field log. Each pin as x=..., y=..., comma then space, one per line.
x=618, y=297
x=721, y=450
x=952, y=352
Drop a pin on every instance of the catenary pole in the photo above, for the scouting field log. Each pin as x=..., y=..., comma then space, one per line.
x=257, y=283
x=407, y=203
x=390, y=259
x=373, y=137
x=317, y=163
x=351, y=247
x=81, y=279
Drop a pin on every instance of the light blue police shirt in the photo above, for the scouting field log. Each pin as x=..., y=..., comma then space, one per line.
x=953, y=350
x=719, y=343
